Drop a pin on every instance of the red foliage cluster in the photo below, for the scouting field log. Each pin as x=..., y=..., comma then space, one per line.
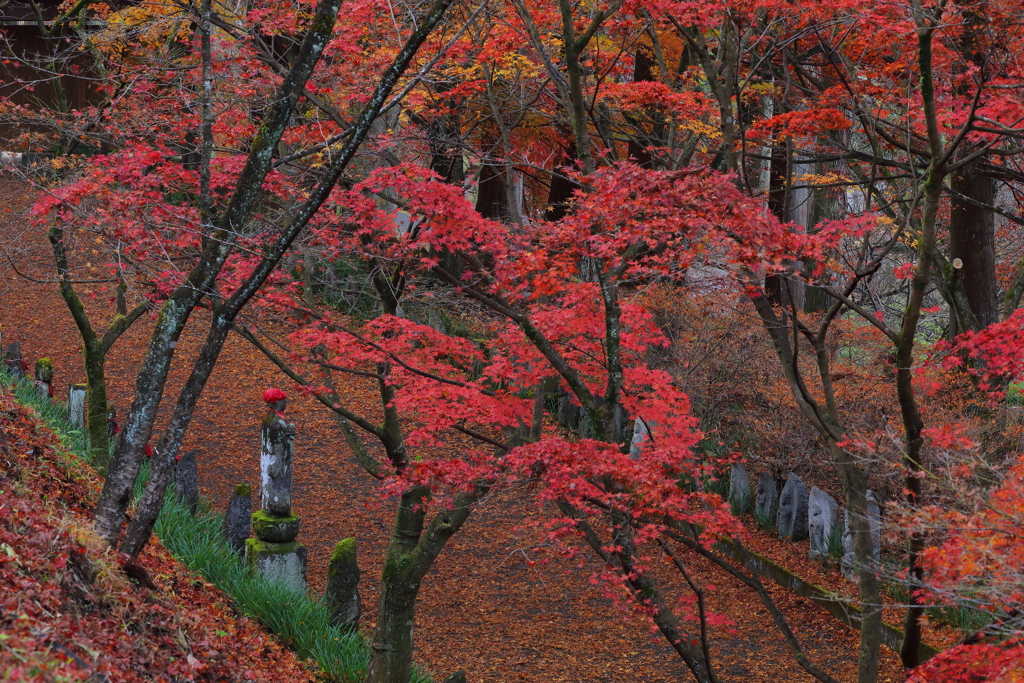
x=68, y=613
x=978, y=663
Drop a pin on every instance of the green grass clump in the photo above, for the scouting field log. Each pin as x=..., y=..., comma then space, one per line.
x=300, y=620
x=834, y=543
x=766, y=522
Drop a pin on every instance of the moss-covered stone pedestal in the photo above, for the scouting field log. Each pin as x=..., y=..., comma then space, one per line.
x=274, y=552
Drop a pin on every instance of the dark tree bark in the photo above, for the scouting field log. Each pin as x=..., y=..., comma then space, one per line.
x=562, y=188
x=972, y=239
x=492, y=199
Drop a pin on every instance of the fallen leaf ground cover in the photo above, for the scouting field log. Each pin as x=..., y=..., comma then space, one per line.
x=482, y=607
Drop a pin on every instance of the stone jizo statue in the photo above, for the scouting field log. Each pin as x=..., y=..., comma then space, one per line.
x=276, y=439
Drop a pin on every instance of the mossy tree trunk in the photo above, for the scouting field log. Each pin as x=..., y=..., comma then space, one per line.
x=95, y=350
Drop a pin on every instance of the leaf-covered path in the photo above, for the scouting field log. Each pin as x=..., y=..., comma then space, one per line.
x=483, y=609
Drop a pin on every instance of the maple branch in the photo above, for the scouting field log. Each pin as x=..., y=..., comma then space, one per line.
x=538, y=45
x=120, y=324
x=699, y=592
x=754, y=581
x=480, y=437
x=299, y=379
x=537, y=337
x=415, y=371
x=645, y=592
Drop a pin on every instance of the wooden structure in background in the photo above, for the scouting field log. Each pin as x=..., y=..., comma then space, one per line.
x=25, y=75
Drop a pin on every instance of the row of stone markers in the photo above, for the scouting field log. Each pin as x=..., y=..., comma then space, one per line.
x=801, y=515
x=274, y=552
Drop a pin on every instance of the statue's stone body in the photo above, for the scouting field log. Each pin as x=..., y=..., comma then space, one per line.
x=792, y=518
x=822, y=521
x=276, y=464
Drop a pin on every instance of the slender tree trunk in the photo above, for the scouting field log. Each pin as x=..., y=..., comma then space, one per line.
x=141, y=527
x=391, y=659
x=96, y=407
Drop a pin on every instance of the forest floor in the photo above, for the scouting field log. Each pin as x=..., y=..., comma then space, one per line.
x=482, y=607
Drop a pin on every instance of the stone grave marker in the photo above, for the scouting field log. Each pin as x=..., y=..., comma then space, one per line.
x=238, y=518
x=822, y=520
x=186, y=480
x=791, y=522
x=76, y=405
x=641, y=435
x=767, y=496
x=342, y=592
x=739, y=487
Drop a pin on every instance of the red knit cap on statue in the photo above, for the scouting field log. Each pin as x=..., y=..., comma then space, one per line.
x=274, y=395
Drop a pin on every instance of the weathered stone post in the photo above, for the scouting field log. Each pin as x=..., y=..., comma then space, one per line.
x=739, y=488
x=112, y=428
x=792, y=519
x=44, y=378
x=76, y=404
x=641, y=435
x=238, y=518
x=186, y=480
x=767, y=498
x=822, y=520
x=13, y=361
x=342, y=592
x=274, y=551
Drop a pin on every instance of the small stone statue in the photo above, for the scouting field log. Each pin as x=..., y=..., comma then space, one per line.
x=13, y=361
x=238, y=518
x=342, y=592
x=44, y=378
x=641, y=435
x=739, y=488
x=791, y=523
x=767, y=496
x=823, y=518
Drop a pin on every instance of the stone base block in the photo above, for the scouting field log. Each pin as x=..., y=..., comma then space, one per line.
x=281, y=562
x=275, y=529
